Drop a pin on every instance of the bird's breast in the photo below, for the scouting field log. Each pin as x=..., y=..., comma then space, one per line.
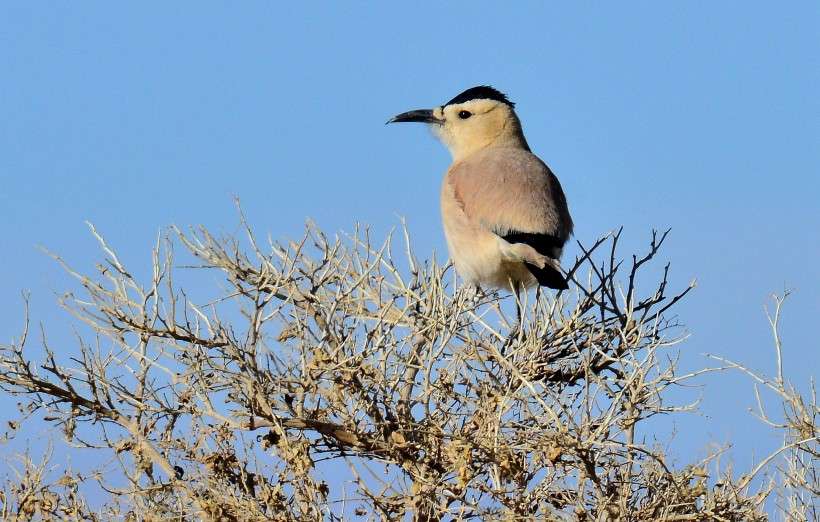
x=474, y=249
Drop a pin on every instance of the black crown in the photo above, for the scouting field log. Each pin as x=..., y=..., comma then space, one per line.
x=481, y=92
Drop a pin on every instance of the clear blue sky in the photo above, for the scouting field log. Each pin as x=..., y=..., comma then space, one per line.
x=699, y=116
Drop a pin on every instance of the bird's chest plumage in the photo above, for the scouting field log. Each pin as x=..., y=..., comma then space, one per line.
x=473, y=246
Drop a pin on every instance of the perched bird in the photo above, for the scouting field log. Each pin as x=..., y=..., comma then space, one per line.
x=505, y=215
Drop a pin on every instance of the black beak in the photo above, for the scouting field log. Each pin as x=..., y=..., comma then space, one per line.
x=420, y=116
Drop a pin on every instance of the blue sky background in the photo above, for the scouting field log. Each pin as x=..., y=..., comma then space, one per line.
x=699, y=116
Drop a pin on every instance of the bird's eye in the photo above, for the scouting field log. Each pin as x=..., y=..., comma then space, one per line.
x=464, y=114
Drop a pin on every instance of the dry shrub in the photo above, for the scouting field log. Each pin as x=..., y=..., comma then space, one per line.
x=340, y=350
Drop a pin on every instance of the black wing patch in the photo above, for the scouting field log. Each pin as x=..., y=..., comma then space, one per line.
x=548, y=276
x=546, y=245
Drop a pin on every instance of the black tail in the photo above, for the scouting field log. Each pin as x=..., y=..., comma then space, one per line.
x=548, y=276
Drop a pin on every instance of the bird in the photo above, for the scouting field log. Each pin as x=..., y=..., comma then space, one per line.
x=504, y=213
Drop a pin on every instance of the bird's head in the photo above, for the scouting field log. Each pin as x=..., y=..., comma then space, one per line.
x=477, y=118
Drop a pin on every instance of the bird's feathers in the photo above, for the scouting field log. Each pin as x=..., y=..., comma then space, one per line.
x=481, y=92
x=548, y=276
x=505, y=215
x=511, y=191
x=545, y=244
x=510, y=195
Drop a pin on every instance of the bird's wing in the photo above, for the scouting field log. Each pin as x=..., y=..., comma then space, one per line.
x=513, y=194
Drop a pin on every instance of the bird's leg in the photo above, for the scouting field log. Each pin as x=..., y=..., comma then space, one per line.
x=470, y=295
x=478, y=293
x=518, y=315
x=517, y=328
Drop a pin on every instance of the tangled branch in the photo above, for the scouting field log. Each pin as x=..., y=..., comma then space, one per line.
x=231, y=406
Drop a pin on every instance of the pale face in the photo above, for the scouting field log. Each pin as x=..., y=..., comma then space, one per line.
x=475, y=124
